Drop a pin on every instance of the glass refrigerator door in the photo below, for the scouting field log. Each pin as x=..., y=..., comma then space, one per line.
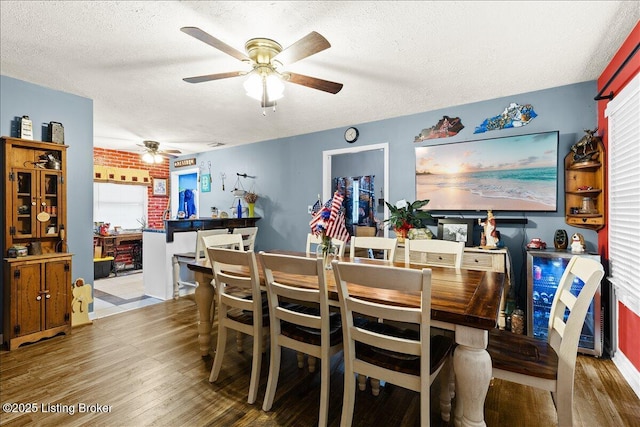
x=546, y=272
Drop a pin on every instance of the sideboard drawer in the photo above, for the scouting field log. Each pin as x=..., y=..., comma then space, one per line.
x=486, y=261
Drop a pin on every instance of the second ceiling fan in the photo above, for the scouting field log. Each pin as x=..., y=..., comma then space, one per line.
x=265, y=56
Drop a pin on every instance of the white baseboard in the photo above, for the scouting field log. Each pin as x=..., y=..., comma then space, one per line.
x=628, y=371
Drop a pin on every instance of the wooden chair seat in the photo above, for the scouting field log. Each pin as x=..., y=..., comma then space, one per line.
x=311, y=335
x=522, y=354
x=397, y=361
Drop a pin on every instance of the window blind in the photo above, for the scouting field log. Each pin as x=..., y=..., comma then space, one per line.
x=624, y=193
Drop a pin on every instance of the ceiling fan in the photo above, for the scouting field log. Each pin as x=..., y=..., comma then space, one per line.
x=153, y=154
x=266, y=56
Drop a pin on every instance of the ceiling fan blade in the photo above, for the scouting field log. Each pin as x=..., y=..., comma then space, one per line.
x=309, y=45
x=170, y=152
x=212, y=41
x=209, y=77
x=315, y=83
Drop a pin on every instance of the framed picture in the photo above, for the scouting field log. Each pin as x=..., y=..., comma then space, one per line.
x=159, y=187
x=456, y=229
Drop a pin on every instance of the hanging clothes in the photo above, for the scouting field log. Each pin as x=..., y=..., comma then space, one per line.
x=189, y=203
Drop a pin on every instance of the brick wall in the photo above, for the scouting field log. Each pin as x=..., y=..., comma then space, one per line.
x=125, y=159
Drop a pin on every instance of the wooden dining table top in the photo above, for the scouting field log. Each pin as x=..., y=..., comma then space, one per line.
x=461, y=297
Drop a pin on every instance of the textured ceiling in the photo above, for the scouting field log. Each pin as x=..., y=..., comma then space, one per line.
x=394, y=58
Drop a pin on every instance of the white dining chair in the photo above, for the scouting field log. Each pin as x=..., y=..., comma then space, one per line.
x=411, y=357
x=181, y=259
x=385, y=244
x=313, y=240
x=248, y=237
x=435, y=252
x=240, y=307
x=300, y=320
x=550, y=365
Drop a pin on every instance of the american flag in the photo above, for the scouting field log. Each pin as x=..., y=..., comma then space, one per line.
x=336, y=204
x=337, y=229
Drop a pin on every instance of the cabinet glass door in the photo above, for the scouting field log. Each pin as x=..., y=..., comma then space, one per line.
x=24, y=203
x=50, y=202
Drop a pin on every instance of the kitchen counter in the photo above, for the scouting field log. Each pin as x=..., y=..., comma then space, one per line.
x=184, y=225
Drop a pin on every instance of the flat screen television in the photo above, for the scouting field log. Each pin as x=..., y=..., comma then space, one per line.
x=512, y=173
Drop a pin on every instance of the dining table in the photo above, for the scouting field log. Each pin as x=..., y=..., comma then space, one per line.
x=464, y=301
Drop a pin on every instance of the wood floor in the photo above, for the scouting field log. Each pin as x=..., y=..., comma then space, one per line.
x=144, y=367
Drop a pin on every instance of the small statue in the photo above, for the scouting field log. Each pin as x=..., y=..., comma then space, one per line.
x=491, y=235
x=587, y=148
x=80, y=303
x=577, y=243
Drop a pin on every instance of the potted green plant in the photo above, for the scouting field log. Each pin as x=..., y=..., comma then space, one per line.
x=404, y=216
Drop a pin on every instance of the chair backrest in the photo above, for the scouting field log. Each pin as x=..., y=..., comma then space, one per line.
x=227, y=241
x=443, y=253
x=248, y=236
x=277, y=266
x=313, y=240
x=238, y=271
x=201, y=253
x=393, y=279
x=565, y=334
x=386, y=244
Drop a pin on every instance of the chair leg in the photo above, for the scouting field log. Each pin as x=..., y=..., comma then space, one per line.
x=312, y=364
x=349, y=397
x=362, y=382
x=255, y=366
x=445, y=394
x=324, y=390
x=220, y=347
x=564, y=408
x=239, y=337
x=375, y=386
x=274, y=373
x=300, y=357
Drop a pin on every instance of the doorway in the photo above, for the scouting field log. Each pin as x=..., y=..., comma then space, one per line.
x=184, y=193
x=358, y=161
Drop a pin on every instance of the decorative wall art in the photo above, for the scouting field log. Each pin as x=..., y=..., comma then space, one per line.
x=515, y=115
x=513, y=173
x=445, y=128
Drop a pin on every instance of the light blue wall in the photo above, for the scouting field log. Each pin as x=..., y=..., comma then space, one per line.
x=43, y=105
x=289, y=170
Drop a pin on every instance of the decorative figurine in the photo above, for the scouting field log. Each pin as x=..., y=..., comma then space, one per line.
x=80, y=303
x=577, y=243
x=491, y=235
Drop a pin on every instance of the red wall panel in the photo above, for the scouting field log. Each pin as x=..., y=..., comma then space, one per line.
x=628, y=321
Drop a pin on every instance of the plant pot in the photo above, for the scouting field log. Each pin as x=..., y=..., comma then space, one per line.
x=401, y=235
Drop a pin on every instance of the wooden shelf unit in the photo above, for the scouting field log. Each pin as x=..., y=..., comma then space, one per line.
x=585, y=179
x=37, y=288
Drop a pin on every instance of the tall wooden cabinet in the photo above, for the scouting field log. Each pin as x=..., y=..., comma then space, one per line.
x=37, y=288
x=585, y=187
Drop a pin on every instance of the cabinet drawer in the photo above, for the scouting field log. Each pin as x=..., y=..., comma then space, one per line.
x=483, y=261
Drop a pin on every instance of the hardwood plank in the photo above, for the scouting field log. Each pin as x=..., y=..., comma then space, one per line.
x=146, y=364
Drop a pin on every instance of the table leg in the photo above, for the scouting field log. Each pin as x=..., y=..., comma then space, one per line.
x=472, y=365
x=204, y=294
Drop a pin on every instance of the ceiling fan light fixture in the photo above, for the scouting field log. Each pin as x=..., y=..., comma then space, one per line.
x=157, y=158
x=147, y=157
x=257, y=83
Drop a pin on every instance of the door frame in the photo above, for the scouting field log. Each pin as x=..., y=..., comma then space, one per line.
x=326, y=171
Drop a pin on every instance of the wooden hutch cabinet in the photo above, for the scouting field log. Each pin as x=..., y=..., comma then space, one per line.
x=585, y=187
x=37, y=287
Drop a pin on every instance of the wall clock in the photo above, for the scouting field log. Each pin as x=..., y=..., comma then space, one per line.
x=351, y=135
x=560, y=239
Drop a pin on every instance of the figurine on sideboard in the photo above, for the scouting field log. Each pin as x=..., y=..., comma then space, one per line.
x=577, y=243
x=491, y=235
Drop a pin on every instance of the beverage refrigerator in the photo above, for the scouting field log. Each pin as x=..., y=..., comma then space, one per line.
x=544, y=270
